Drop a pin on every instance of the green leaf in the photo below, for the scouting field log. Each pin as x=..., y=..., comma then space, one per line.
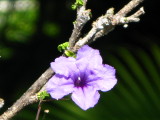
x=76, y=4
x=63, y=46
x=42, y=95
x=74, y=22
x=70, y=53
x=80, y=2
x=74, y=7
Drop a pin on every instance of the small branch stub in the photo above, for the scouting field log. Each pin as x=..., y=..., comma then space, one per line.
x=104, y=24
x=1, y=102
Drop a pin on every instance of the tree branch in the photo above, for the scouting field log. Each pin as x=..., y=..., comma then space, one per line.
x=29, y=96
x=106, y=23
x=83, y=16
x=129, y=7
x=102, y=26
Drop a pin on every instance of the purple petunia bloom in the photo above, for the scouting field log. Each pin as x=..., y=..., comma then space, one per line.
x=82, y=76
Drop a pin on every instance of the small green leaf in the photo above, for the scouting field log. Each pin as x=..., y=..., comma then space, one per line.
x=74, y=22
x=42, y=95
x=76, y=4
x=74, y=7
x=70, y=53
x=63, y=46
x=80, y=2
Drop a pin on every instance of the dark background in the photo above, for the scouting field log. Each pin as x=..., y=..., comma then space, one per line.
x=29, y=40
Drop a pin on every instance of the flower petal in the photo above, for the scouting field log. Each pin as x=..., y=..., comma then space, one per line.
x=64, y=66
x=58, y=86
x=105, y=78
x=85, y=97
x=88, y=58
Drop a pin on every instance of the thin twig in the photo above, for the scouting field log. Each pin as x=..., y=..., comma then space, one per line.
x=83, y=16
x=39, y=110
x=129, y=7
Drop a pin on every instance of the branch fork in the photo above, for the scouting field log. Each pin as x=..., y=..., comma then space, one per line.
x=104, y=24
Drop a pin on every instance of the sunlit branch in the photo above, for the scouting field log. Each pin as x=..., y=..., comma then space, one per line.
x=106, y=23
x=83, y=16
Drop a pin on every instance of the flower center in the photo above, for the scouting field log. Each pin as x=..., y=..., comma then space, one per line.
x=80, y=82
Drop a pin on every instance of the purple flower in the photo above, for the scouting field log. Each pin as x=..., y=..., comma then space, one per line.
x=82, y=77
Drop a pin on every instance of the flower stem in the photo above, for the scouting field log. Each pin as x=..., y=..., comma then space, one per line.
x=39, y=110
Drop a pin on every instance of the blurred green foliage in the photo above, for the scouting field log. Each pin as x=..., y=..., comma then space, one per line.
x=18, y=23
x=21, y=26
x=5, y=52
x=51, y=29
